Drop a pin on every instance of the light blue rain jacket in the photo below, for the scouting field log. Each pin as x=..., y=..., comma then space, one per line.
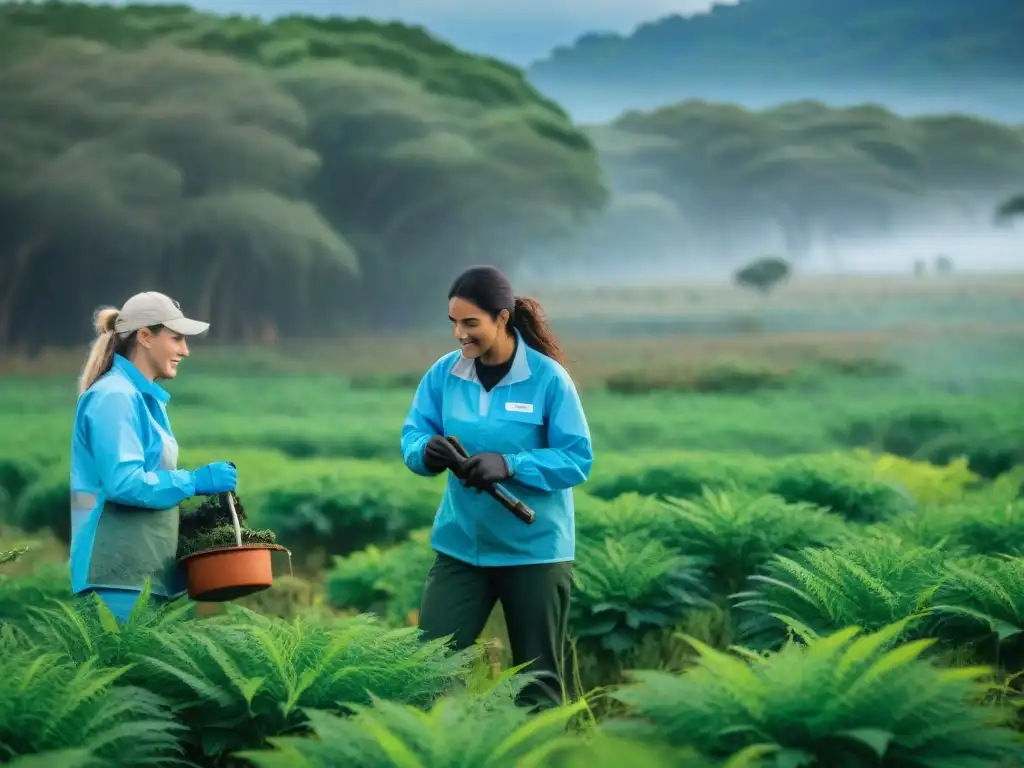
x=125, y=487
x=534, y=418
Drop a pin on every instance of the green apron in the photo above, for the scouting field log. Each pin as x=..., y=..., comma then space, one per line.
x=133, y=544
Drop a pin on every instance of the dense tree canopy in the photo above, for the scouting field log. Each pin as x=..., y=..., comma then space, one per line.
x=305, y=176
x=713, y=179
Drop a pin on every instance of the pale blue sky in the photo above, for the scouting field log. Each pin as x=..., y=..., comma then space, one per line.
x=519, y=31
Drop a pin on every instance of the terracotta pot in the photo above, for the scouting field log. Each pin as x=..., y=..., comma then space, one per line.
x=228, y=573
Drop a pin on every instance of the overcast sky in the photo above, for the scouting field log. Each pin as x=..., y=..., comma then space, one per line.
x=517, y=30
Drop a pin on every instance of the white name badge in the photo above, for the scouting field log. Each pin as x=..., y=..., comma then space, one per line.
x=519, y=407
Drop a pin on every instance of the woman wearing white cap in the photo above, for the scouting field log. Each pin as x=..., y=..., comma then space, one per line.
x=125, y=484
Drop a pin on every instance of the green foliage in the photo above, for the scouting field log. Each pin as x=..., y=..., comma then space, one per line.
x=387, y=582
x=842, y=700
x=456, y=731
x=216, y=143
x=627, y=590
x=735, y=535
x=724, y=378
x=977, y=527
x=49, y=702
x=347, y=507
x=982, y=598
x=842, y=486
x=867, y=582
x=240, y=678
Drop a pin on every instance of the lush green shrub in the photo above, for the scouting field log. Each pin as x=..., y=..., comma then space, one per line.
x=980, y=604
x=840, y=484
x=734, y=534
x=976, y=527
x=680, y=475
x=51, y=702
x=45, y=504
x=343, y=510
x=868, y=582
x=627, y=516
x=237, y=679
x=627, y=589
x=388, y=582
x=469, y=730
x=17, y=472
x=926, y=483
x=838, y=700
x=730, y=377
x=20, y=594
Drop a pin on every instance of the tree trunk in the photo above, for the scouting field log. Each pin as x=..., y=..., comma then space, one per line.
x=205, y=308
x=10, y=280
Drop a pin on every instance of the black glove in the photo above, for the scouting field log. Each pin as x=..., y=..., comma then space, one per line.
x=437, y=456
x=484, y=469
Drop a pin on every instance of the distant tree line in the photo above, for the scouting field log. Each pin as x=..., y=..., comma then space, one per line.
x=710, y=179
x=765, y=43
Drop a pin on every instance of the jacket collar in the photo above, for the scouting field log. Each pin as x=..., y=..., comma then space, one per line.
x=127, y=368
x=465, y=368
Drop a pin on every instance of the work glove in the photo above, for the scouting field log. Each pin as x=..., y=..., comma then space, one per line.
x=484, y=469
x=219, y=477
x=437, y=455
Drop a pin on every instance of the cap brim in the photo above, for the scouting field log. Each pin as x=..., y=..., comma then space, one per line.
x=187, y=327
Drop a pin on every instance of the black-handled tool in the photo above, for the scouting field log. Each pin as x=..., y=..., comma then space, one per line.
x=500, y=493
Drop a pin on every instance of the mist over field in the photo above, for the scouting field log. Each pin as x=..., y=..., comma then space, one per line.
x=781, y=245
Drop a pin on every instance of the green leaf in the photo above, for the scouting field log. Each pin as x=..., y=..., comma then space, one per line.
x=874, y=738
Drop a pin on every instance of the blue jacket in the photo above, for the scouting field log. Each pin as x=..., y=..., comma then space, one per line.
x=125, y=487
x=534, y=418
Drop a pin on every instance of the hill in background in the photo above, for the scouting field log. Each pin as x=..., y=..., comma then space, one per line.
x=912, y=55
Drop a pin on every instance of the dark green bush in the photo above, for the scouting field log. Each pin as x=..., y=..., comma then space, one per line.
x=46, y=505
x=844, y=486
x=343, y=511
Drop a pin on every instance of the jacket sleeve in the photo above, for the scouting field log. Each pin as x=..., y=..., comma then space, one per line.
x=423, y=421
x=113, y=437
x=567, y=460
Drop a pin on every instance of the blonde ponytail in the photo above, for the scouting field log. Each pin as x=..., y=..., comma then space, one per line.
x=101, y=354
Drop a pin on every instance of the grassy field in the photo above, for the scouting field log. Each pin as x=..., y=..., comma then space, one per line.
x=829, y=478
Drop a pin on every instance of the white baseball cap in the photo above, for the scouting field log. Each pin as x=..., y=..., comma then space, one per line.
x=151, y=308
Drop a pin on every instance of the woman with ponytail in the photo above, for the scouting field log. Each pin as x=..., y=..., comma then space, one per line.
x=125, y=484
x=510, y=402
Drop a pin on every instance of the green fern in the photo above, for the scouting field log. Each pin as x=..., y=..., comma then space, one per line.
x=844, y=700
x=238, y=681
x=868, y=582
x=84, y=628
x=457, y=732
x=627, y=589
x=982, y=599
x=974, y=528
x=49, y=702
x=736, y=533
x=388, y=582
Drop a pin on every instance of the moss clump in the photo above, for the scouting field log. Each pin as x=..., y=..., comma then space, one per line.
x=222, y=536
x=209, y=526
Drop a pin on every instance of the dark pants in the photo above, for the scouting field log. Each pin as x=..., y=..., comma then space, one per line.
x=458, y=598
